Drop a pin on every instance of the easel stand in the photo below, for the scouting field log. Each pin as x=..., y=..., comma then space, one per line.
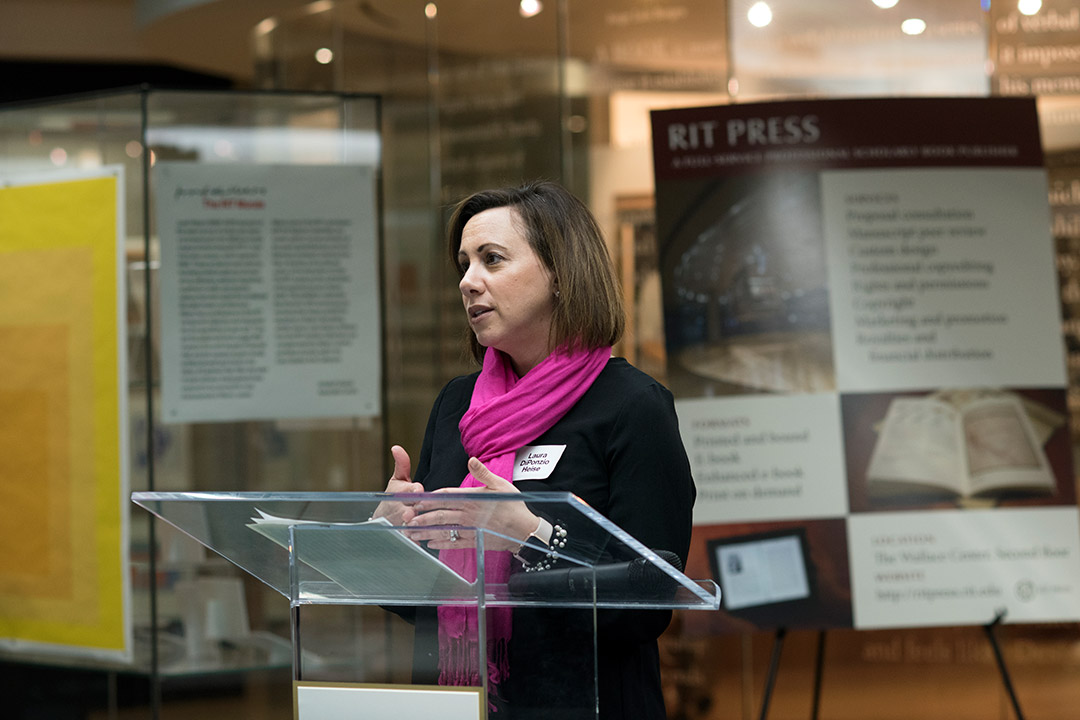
x=778, y=647
x=774, y=665
x=989, y=630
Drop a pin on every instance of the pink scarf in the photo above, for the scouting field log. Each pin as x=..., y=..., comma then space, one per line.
x=505, y=414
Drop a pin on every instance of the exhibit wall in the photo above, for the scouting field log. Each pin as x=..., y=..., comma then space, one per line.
x=474, y=93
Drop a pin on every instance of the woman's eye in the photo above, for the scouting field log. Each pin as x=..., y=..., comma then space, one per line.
x=492, y=258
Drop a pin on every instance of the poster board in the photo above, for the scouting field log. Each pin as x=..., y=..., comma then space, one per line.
x=863, y=331
x=269, y=291
x=64, y=581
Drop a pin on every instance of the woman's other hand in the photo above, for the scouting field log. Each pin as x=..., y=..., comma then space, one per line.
x=400, y=482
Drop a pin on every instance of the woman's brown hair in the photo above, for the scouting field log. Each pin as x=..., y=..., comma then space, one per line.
x=588, y=310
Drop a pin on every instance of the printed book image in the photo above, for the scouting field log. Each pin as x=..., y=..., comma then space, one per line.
x=984, y=447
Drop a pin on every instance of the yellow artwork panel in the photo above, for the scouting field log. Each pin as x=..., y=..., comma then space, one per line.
x=62, y=474
x=34, y=462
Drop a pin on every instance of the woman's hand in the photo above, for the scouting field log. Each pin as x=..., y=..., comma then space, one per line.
x=513, y=519
x=400, y=482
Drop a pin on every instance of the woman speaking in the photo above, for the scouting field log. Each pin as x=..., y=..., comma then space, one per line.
x=542, y=301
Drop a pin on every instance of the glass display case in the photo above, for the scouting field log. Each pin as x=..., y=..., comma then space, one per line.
x=195, y=621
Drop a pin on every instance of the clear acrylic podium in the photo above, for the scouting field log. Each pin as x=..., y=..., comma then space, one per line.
x=323, y=553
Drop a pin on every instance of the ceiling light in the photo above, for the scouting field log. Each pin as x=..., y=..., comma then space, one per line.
x=913, y=26
x=324, y=56
x=88, y=158
x=265, y=27
x=430, y=11
x=886, y=4
x=1029, y=7
x=759, y=14
x=319, y=6
x=224, y=148
x=530, y=8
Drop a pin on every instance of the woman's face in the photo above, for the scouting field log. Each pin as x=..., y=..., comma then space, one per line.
x=507, y=291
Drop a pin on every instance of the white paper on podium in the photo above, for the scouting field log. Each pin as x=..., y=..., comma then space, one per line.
x=368, y=559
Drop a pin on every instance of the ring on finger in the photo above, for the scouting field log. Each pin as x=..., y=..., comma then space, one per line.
x=453, y=536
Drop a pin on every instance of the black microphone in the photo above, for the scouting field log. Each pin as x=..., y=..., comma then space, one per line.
x=634, y=578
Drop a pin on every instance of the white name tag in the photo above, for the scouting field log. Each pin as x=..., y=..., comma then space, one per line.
x=535, y=462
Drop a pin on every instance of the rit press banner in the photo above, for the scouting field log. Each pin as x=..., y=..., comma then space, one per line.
x=864, y=336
